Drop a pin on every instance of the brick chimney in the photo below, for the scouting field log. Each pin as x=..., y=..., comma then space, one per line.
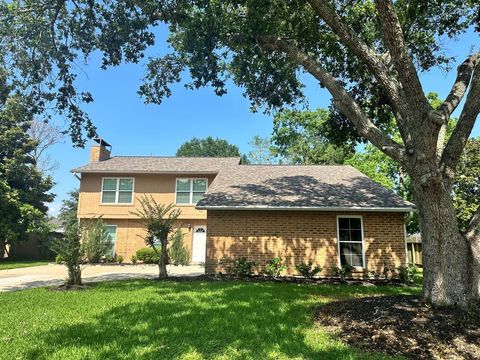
x=101, y=151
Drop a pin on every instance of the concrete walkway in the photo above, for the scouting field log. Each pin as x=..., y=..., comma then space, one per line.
x=53, y=274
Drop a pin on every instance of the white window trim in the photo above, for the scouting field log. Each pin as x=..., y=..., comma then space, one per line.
x=363, y=239
x=191, y=189
x=117, y=190
x=116, y=234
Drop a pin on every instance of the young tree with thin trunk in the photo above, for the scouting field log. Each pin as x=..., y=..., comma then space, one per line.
x=367, y=54
x=159, y=221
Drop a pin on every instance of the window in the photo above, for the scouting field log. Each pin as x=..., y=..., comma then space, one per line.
x=350, y=241
x=117, y=191
x=112, y=236
x=190, y=191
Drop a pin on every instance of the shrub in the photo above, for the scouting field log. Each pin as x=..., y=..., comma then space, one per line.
x=119, y=259
x=274, y=267
x=71, y=251
x=59, y=259
x=240, y=267
x=133, y=259
x=147, y=256
x=178, y=253
x=96, y=241
x=366, y=274
x=109, y=258
x=407, y=273
x=343, y=272
x=307, y=270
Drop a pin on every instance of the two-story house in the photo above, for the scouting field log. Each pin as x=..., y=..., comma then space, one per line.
x=331, y=215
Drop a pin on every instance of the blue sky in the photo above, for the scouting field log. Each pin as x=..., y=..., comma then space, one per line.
x=134, y=128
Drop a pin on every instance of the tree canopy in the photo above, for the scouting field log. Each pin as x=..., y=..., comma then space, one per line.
x=24, y=190
x=209, y=147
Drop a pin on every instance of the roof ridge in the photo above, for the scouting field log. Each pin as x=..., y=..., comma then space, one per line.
x=175, y=157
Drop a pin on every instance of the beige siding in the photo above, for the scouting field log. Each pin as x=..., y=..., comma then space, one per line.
x=300, y=237
x=160, y=187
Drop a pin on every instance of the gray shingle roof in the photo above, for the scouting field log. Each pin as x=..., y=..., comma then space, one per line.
x=299, y=187
x=158, y=164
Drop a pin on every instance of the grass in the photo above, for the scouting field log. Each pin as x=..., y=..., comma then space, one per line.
x=16, y=264
x=147, y=319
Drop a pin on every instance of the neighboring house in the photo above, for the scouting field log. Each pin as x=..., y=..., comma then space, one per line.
x=330, y=215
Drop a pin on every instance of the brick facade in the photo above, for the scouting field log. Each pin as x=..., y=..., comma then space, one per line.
x=300, y=236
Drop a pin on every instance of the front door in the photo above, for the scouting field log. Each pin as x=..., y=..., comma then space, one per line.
x=199, y=244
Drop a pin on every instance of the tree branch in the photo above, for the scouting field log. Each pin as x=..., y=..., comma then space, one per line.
x=394, y=41
x=464, y=76
x=455, y=145
x=373, y=60
x=342, y=100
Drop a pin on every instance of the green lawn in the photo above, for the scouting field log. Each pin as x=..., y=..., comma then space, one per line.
x=14, y=264
x=147, y=319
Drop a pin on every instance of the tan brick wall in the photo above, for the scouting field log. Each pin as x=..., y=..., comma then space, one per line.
x=99, y=153
x=131, y=234
x=160, y=186
x=298, y=236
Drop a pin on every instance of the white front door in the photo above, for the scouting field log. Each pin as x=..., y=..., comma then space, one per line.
x=199, y=244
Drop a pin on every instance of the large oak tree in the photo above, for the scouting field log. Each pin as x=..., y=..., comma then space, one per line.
x=367, y=54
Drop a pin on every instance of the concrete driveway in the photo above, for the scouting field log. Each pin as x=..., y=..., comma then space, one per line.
x=53, y=274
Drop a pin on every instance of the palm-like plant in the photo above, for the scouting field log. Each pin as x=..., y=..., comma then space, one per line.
x=160, y=221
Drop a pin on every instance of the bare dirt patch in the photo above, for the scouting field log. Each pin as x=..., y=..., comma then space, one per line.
x=404, y=326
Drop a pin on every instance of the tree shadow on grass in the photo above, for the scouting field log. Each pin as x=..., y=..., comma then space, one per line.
x=201, y=320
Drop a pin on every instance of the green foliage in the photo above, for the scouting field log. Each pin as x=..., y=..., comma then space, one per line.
x=263, y=152
x=119, y=259
x=109, y=258
x=466, y=188
x=298, y=137
x=96, y=241
x=407, y=273
x=71, y=251
x=307, y=270
x=69, y=208
x=342, y=272
x=58, y=259
x=241, y=267
x=211, y=41
x=208, y=147
x=24, y=190
x=134, y=259
x=147, y=255
x=159, y=220
x=179, y=255
x=275, y=267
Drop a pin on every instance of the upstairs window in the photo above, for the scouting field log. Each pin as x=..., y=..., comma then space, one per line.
x=190, y=191
x=117, y=191
x=350, y=239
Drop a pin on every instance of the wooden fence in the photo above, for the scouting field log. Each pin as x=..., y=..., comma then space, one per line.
x=414, y=249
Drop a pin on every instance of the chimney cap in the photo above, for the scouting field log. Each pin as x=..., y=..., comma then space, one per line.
x=101, y=142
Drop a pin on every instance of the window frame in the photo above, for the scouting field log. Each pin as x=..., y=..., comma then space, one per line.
x=191, y=192
x=356, y=242
x=117, y=190
x=114, y=247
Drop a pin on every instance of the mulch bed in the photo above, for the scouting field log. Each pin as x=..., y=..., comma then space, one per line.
x=291, y=279
x=404, y=326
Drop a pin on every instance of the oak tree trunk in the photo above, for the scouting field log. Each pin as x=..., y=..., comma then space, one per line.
x=451, y=269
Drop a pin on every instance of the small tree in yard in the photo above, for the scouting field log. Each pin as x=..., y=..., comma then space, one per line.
x=159, y=220
x=71, y=251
